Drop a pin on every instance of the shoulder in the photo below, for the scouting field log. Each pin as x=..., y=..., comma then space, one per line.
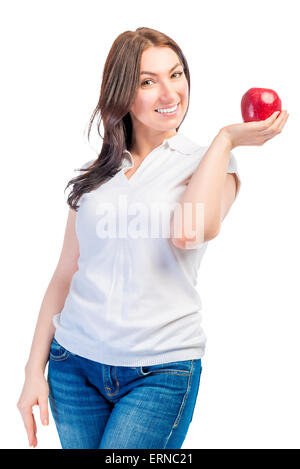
x=185, y=145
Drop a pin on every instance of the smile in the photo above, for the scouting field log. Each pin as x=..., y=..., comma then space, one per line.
x=167, y=110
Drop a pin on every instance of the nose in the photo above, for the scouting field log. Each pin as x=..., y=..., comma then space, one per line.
x=168, y=95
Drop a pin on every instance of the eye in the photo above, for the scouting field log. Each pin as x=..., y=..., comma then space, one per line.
x=150, y=79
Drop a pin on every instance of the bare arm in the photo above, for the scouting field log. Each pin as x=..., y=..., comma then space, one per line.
x=197, y=217
x=35, y=390
x=211, y=191
x=54, y=298
x=52, y=304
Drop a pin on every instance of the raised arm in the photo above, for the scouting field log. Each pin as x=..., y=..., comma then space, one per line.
x=211, y=191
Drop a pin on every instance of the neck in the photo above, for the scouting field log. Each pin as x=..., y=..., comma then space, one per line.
x=142, y=146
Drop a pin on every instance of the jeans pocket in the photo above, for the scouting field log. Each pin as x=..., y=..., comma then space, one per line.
x=58, y=352
x=197, y=390
x=182, y=367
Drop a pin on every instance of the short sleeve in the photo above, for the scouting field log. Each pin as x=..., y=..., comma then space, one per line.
x=232, y=168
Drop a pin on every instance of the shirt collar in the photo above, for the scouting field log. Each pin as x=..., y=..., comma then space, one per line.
x=178, y=142
x=182, y=143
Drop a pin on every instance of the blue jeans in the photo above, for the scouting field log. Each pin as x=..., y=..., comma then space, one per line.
x=98, y=406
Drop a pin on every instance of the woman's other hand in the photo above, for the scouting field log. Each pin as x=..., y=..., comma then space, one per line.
x=256, y=132
x=35, y=392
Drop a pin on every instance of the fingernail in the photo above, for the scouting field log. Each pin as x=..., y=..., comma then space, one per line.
x=45, y=422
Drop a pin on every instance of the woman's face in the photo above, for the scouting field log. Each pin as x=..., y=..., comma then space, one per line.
x=163, y=88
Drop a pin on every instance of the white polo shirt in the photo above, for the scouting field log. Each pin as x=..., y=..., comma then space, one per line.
x=133, y=300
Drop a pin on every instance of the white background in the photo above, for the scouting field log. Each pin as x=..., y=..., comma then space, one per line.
x=53, y=53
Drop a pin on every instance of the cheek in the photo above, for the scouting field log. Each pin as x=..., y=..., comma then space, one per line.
x=142, y=103
x=148, y=102
x=184, y=88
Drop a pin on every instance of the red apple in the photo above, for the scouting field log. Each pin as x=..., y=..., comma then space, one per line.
x=259, y=103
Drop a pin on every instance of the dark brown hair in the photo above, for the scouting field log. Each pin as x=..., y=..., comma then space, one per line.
x=120, y=79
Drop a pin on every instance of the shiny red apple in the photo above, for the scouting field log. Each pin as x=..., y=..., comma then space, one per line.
x=259, y=103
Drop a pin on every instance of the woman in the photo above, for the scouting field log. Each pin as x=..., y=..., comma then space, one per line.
x=125, y=361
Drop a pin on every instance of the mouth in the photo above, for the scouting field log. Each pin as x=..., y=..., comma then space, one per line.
x=168, y=110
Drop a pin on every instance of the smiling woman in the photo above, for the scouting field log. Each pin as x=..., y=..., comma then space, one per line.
x=126, y=357
x=150, y=74
x=167, y=95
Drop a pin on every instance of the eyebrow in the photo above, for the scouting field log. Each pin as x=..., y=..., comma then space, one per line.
x=155, y=74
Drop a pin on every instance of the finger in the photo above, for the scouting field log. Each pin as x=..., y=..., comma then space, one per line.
x=272, y=118
x=28, y=419
x=276, y=129
x=43, y=403
x=34, y=440
x=34, y=426
x=270, y=128
x=264, y=125
x=282, y=124
x=279, y=123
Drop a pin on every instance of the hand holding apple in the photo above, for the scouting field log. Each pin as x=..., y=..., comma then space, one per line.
x=256, y=132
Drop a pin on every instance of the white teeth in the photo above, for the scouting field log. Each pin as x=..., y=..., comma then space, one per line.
x=172, y=109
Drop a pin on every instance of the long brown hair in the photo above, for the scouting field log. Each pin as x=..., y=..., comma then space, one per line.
x=120, y=80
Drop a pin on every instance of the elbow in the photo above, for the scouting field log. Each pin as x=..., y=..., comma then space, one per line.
x=213, y=233
x=198, y=235
x=195, y=242
x=178, y=243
